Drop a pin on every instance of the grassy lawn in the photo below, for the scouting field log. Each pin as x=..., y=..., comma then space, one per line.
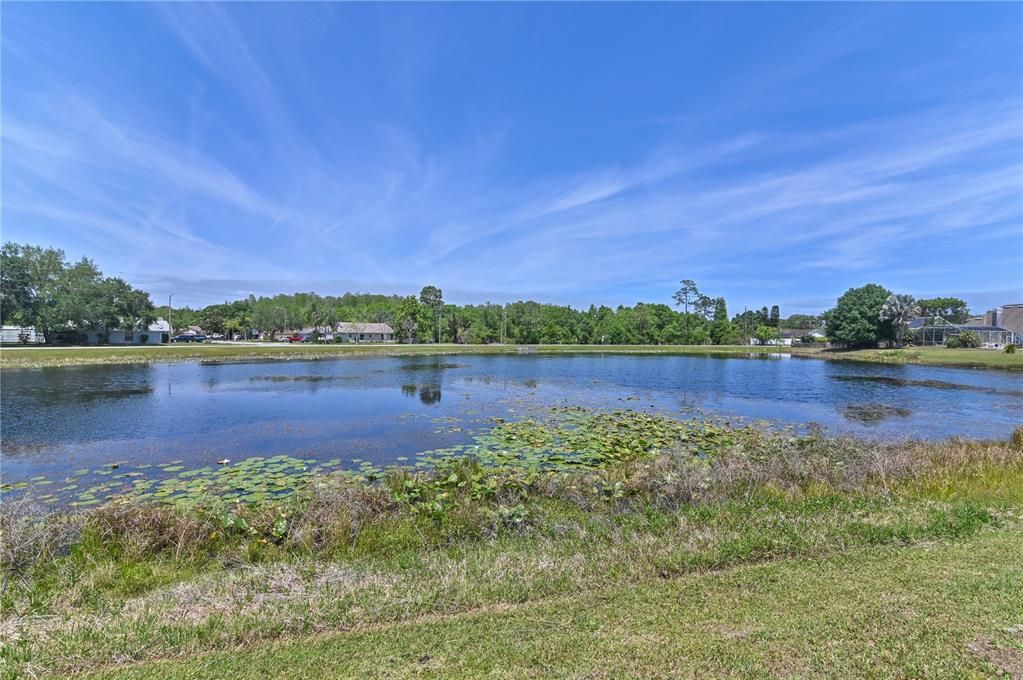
x=937, y=356
x=16, y=357
x=936, y=610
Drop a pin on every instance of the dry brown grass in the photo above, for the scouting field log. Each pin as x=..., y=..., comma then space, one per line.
x=336, y=513
x=28, y=535
x=788, y=465
x=146, y=529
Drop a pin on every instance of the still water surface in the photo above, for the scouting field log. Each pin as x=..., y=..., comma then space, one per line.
x=377, y=409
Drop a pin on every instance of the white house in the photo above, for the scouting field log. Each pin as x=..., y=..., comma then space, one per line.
x=346, y=331
x=790, y=337
x=20, y=335
x=155, y=333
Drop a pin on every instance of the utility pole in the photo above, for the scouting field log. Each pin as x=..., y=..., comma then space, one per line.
x=170, y=324
x=504, y=323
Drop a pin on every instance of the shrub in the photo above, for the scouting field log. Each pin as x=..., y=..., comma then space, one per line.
x=29, y=535
x=969, y=339
x=966, y=339
x=1016, y=439
x=1010, y=348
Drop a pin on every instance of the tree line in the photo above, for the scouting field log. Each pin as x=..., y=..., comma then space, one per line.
x=426, y=317
x=39, y=287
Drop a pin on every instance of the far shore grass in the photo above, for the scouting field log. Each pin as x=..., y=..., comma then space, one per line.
x=40, y=357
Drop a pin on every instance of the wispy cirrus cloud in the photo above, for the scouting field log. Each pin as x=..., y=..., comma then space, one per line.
x=241, y=172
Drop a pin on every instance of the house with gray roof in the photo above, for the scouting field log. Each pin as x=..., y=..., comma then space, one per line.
x=155, y=333
x=353, y=331
x=930, y=331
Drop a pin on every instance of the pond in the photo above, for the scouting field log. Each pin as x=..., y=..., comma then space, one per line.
x=385, y=409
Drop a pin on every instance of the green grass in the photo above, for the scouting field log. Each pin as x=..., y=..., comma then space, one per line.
x=939, y=610
x=937, y=356
x=36, y=357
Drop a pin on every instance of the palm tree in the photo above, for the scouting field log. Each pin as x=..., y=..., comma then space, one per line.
x=899, y=309
x=322, y=316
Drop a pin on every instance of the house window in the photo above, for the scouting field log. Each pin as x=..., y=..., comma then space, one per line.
x=129, y=336
x=362, y=336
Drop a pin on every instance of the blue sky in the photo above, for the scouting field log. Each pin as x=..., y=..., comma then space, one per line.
x=564, y=152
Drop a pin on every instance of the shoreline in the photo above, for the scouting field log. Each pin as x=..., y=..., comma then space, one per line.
x=47, y=357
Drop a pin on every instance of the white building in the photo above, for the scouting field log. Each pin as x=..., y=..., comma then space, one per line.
x=155, y=333
x=20, y=335
x=347, y=331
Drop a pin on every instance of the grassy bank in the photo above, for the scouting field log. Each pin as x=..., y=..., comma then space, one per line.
x=942, y=610
x=37, y=357
x=551, y=562
x=934, y=356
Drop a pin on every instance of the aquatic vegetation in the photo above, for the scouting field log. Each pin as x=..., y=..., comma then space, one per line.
x=935, y=384
x=556, y=439
x=874, y=412
x=252, y=480
x=575, y=438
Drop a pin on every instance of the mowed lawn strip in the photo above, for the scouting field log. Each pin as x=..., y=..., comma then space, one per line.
x=41, y=357
x=935, y=610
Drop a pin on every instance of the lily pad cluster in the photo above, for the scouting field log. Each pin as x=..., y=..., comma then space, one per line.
x=560, y=439
x=574, y=438
x=252, y=480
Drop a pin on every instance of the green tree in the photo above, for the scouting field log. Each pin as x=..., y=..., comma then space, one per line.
x=212, y=320
x=765, y=334
x=856, y=320
x=233, y=328
x=951, y=309
x=722, y=332
x=432, y=300
x=322, y=316
x=459, y=321
x=802, y=321
x=30, y=279
x=407, y=318
x=704, y=305
x=39, y=288
x=112, y=303
x=685, y=297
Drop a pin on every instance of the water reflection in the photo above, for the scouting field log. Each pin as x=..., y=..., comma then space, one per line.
x=873, y=412
x=429, y=393
x=41, y=388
